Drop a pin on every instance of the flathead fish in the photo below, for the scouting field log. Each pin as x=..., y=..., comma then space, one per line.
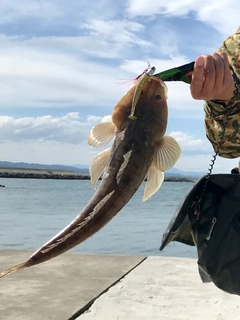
x=139, y=150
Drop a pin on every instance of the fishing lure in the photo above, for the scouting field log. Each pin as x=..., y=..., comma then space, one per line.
x=138, y=91
x=127, y=81
x=144, y=72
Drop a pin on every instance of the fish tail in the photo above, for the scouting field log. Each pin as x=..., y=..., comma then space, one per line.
x=14, y=269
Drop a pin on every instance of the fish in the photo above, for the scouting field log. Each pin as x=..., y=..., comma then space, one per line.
x=140, y=151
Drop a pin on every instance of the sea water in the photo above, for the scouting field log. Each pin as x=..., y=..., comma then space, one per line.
x=32, y=211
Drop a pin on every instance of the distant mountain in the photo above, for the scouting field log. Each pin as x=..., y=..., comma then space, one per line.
x=177, y=172
x=43, y=166
x=173, y=172
x=81, y=166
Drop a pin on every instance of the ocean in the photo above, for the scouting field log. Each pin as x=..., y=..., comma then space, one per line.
x=32, y=211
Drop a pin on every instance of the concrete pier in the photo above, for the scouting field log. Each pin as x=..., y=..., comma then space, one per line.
x=109, y=287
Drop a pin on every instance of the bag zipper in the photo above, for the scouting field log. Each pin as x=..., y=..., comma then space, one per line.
x=214, y=220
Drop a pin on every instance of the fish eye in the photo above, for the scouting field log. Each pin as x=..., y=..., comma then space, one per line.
x=158, y=97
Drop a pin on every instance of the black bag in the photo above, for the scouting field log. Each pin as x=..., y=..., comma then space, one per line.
x=213, y=226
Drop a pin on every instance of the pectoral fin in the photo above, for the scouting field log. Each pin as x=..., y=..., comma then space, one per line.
x=154, y=181
x=101, y=134
x=167, y=153
x=99, y=162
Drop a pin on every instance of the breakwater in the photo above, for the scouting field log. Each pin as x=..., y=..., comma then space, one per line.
x=30, y=175
x=61, y=175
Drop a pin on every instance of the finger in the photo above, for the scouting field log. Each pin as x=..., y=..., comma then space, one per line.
x=224, y=57
x=219, y=73
x=209, y=77
x=197, y=78
x=227, y=71
x=228, y=81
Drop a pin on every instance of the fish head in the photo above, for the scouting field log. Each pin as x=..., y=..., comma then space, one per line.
x=151, y=109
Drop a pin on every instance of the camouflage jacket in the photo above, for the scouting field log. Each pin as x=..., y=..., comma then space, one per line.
x=215, y=111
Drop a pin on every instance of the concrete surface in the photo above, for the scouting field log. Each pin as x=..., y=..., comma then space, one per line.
x=167, y=289
x=59, y=288
x=86, y=287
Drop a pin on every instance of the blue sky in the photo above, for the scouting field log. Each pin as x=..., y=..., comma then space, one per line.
x=61, y=63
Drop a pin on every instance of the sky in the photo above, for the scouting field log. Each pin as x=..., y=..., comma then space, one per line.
x=64, y=65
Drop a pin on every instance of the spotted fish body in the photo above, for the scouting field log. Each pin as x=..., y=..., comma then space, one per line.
x=139, y=150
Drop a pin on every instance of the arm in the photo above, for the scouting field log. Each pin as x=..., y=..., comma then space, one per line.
x=213, y=82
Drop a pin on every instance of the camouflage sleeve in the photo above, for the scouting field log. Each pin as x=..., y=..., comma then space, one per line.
x=215, y=112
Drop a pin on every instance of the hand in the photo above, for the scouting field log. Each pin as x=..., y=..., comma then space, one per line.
x=212, y=78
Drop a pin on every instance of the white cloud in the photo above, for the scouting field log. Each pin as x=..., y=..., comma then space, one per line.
x=112, y=27
x=55, y=77
x=54, y=11
x=107, y=118
x=197, y=155
x=222, y=15
x=63, y=140
x=64, y=129
x=173, y=7
x=15, y=9
x=191, y=145
x=56, y=71
x=161, y=64
x=36, y=78
x=201, y=163
x=46, y=152
x=94, y=119
x=48, y=139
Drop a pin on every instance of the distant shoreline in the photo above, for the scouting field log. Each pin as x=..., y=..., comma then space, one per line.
x=24, y=173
